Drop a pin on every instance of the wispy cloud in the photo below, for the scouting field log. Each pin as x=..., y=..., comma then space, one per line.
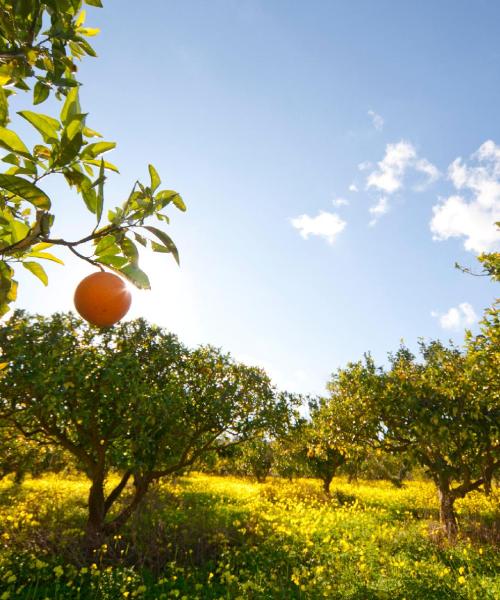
x=353, y=187
x=399, y=158
x=325, y=224
x=457, y=317
x=377, y=120
x=365, y=165
x=379, y=209
x=471, y=213
x=390, y=174
x=340, y=202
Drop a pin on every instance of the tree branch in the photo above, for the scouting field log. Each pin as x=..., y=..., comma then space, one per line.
x=115, y=493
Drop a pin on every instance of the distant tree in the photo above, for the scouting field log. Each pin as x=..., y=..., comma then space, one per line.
x=40, y=43
x=443, y=412
x=341, y=429
x=258, y=458
x=290, y=450
x=131, y=398
x=20, y=456
x=379, y=465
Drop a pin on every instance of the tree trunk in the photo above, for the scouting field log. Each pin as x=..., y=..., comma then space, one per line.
x=327, y=479
x=94, y=534
x=447, y=512
x=141, y=485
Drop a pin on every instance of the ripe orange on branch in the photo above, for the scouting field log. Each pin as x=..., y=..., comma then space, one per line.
x=102, y=298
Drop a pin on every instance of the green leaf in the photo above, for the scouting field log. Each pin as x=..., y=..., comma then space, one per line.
x=130, y=250
x=41, y=151
x=139, y=238
x=8, y=287
x=89, y=31
x=94, y=3
x=159, y=248
x=47, y=126
x=12, y=293
x=85, y=46
x=71, y=106
x=81, y=18
x=11, y=141
x=136, y=276
x=89, y=196
x=107, y=165
x=11, y=159
x=68, y=149
x=76, y=125
x=87, y=132
x=100, y=193
x=18, y=171
x=107, y=245
x=41, y=246
x=4, y=108
x=30, y=166
x=155, y=178
x=19, y=230
x=46, y=256
x=179, y=202
x=166, y=240
x=113, y=261
x=37, y=270
x=93, y=150
x=74, y=177
x=25, y=190
x=166, y=196
x=40, y=92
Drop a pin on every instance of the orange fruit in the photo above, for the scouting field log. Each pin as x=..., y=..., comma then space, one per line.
x=102, y=298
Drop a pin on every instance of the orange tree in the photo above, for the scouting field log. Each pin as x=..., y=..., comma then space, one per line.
x=340, y=429
x=443, y=412
x=40, y=44
x=131, y=398
x=257, y=458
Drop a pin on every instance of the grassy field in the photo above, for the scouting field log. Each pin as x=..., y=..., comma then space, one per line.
x=220, y=537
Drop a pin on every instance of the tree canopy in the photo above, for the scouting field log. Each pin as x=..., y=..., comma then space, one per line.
x=132, y=398
x=443, y=411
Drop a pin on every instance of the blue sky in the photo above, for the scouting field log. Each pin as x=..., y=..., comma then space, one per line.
x=336, y=158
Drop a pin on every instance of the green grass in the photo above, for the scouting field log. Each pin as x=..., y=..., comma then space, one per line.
x=222, y=537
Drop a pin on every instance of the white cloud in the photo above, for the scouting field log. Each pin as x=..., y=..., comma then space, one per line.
x=472, y=213
x=379, y=209
x=353, y=187
x=424, y=166
x=340, y=202
x=325, y=224
x=399, y=158
x=377, y=120
x=457, y=317
x=365, y=165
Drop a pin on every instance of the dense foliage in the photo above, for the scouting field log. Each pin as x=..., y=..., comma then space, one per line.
x=132, y=398
x=442, y=412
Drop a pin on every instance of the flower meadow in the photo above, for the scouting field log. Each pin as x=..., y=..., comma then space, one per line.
x=203, y=536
